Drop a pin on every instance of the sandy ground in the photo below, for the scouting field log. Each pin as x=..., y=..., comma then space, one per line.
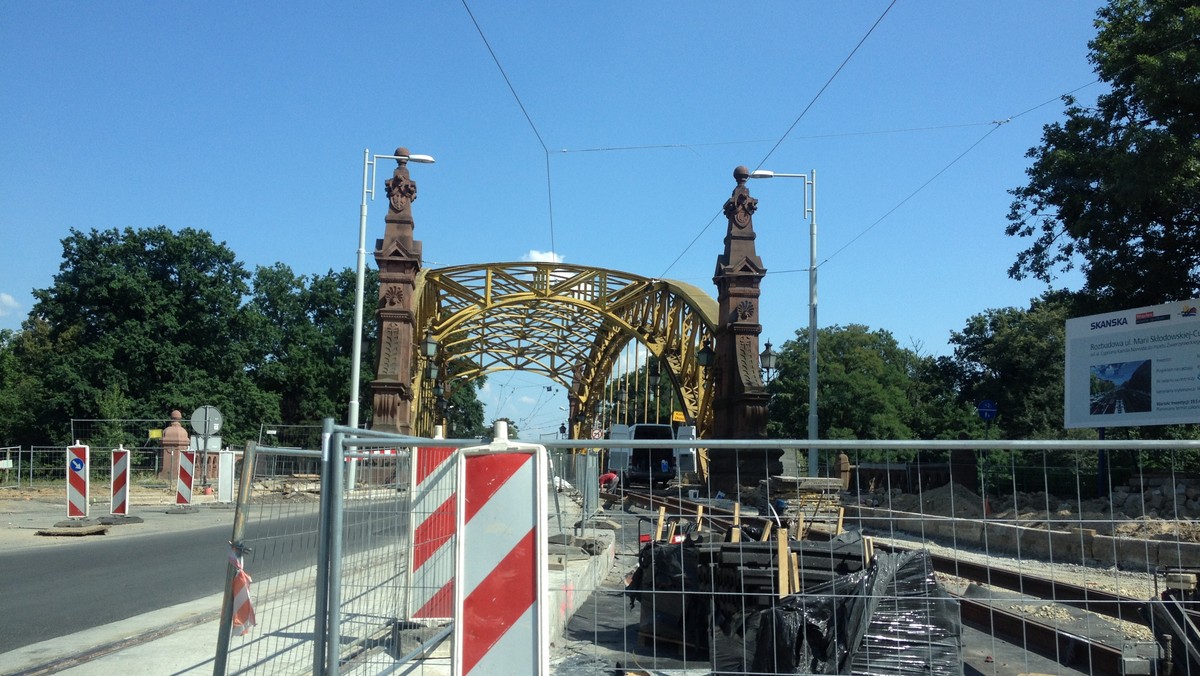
x=32, y=516
x=1039, y=510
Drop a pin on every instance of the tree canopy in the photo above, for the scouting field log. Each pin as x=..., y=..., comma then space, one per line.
x=1115, y=188
x=139, y=322
x=1015, y=357
x=868, y=388
x=142, y=321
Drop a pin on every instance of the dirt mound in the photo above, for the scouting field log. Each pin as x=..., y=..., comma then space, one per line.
x=1149, y=528
x=950, y=500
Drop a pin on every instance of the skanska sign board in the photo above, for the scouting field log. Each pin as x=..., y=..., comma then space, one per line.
x=1134, y=367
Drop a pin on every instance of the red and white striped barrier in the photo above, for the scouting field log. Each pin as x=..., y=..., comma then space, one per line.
x=120, y=481
x=187, y=468
x=78, y=468
x=431, y=526
x=500, y=608
x=377, y=451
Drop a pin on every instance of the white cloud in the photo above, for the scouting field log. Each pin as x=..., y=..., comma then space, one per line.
x=535, y=256
x=8, y=304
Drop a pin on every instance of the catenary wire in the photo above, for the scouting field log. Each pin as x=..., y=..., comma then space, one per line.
x=790, y=128
x=528, y=118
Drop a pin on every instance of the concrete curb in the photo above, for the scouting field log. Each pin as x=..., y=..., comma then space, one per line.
x=1074, y=545
x=572, y=586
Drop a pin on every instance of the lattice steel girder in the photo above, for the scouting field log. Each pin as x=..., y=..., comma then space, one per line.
x=568, y=323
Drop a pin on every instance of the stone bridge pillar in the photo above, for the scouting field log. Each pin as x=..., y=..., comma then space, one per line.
x=740, y=398
x=398, y=256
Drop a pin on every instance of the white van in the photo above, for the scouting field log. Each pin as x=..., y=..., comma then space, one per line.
x=651, y=466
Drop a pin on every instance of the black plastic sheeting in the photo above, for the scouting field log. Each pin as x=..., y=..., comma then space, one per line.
x=675, y=606
x=890, y=619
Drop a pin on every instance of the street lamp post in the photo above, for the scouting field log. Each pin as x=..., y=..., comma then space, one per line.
x=368, y=186
x=810, y=213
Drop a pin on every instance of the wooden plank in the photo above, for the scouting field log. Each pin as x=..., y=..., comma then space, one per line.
x=795, y=572
x=662, y=518
x=785, y=578
x=768, y=527
x=735, y=535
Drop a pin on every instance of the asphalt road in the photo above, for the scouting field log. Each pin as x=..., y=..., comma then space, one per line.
x=56, y=586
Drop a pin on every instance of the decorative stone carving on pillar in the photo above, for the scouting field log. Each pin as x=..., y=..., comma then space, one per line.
x=740, y=399
x=174, y=440
x=398, y=257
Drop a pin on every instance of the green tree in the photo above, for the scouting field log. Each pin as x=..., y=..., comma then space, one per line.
x=26, y=405
x=863, y=386
x=459, y=405
x=937, y=410
x=1015, y=357
x=303, y=330
x=1115, y=188
x=642, y=402
x=141, y=321
x=464, y=412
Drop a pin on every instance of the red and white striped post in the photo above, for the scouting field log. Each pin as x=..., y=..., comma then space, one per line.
x=78, y=469
x=500, y=605
x=120, y=481
x=183, y=486
x=431, y=526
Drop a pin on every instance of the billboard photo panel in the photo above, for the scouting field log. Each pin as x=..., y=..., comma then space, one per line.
x=1134, y=367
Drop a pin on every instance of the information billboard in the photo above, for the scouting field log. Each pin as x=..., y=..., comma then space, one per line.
x=1134, y=367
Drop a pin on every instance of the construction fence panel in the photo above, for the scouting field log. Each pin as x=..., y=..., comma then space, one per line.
x=369, y=561
x=277, y=532
x=45, y=466
x=986, y=557
x=574, y=473
x=10, y=466
x=989, y=557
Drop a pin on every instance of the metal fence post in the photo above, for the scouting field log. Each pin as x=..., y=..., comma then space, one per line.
x=322, y=606
x=337, y=458
x=237, y=542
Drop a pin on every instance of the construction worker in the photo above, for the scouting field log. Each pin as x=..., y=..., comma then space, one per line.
x=609, y=481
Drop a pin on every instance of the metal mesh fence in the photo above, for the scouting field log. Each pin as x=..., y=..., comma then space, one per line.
x=45, y=466
x=1021, y=557
x=902, y=558
x=385, y=570
x=281, y=516
x=134, y=434
x=10, y=457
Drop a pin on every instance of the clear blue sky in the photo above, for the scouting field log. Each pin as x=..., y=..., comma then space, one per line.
x=249, y=120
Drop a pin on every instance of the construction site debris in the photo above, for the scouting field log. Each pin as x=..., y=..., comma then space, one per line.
x=890, y=619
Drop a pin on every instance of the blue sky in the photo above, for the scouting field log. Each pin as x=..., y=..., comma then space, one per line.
x=250, y=119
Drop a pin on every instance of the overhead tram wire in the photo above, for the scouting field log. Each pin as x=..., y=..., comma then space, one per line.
x=996, y=124
x=827, y=83
x=676, y=146
x=795, y=122
x=517, y=97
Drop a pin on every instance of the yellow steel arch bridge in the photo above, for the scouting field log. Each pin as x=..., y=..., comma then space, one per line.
x=569, y=323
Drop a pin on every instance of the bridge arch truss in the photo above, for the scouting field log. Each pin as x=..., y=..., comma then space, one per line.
x=569, y=323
